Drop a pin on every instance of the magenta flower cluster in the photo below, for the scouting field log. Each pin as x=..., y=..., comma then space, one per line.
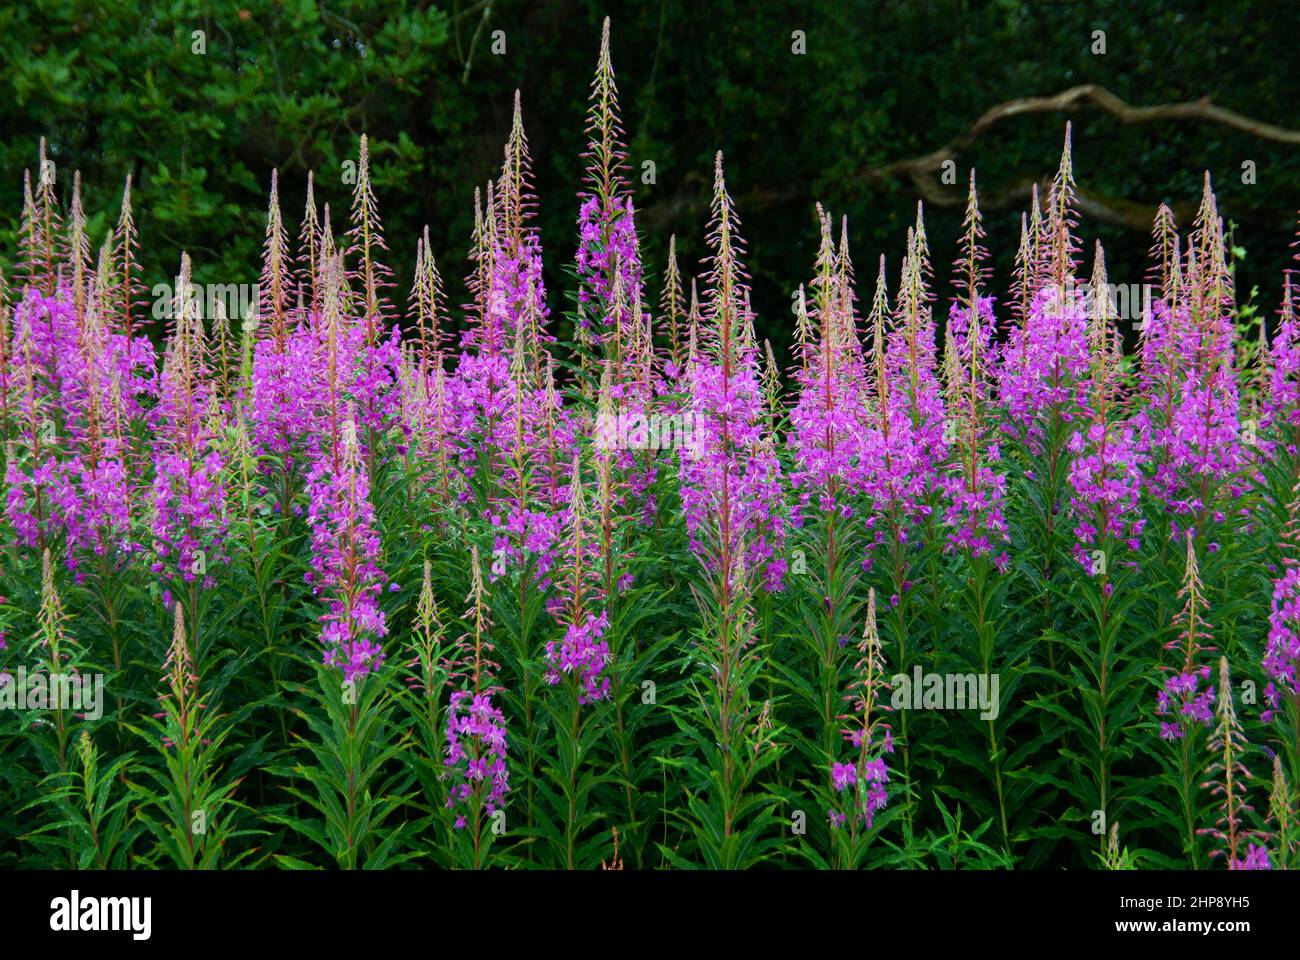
x=476, y=754
x=1187, y=699
x=584, y=654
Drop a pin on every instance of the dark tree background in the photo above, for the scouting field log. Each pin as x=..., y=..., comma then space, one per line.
x=291, y=85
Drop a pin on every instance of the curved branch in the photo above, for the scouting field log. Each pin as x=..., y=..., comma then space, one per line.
x=920, y=171
x=1106, y=101
x=473, y=43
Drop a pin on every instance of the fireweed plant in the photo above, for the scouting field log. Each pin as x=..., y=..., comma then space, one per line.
x=557, y=579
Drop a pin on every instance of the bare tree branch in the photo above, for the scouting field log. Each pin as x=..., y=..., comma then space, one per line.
x=1103, y=99
x=920, y=171
x=473, y=43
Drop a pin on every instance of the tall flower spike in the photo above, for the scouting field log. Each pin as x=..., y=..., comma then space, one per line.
x=366, y=246
x=179, y=664
x=426, y=608
x=515, y=191
x=803, y=328
x=1282, y=811
x=823, y=283
x=428, y=645
x=911, y=306
x=481, y=620
x=476, y=730
x=911, y=355
x=1164, y=254
x=1261, y=362
x=1207, y=226
x=746, y=337
x=309, y=252
x=126, y=265
x=1105, y=468
x=101, y=289
x=1063, y=246
x=1101, y=311
x=331, y=331
x=521, y=356
x=1227, y=783
x=771, y=385
x=608, y=257
x=1036, y=273
x=185, y=308
x=876, y=326
x=1194, y=286
x=486, y=258
x=55, y=648
x=582, y=652
x=52, y=636
x=47, y=211
x=430, y=300
x=954, y=365
x=577, y=518
x=274, y=290
x=1183, y=696
x=476, y=282
x=731, y=482
x=416, y=299
x=1216, y=280
x=606, y=156
x=865, y=776
x=974, y=512
x=971, y=272
x=77, y=250
x=670, y=303
x=346, y=553
x=726, y=274
x=189, y=504
x=919, y=252
x=826, y=286
x=328, y=253
x=847, y=283
x=1176, y=289
x=1022, y=275
x=696, y=335
x=219, y=355
x=30, y=241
